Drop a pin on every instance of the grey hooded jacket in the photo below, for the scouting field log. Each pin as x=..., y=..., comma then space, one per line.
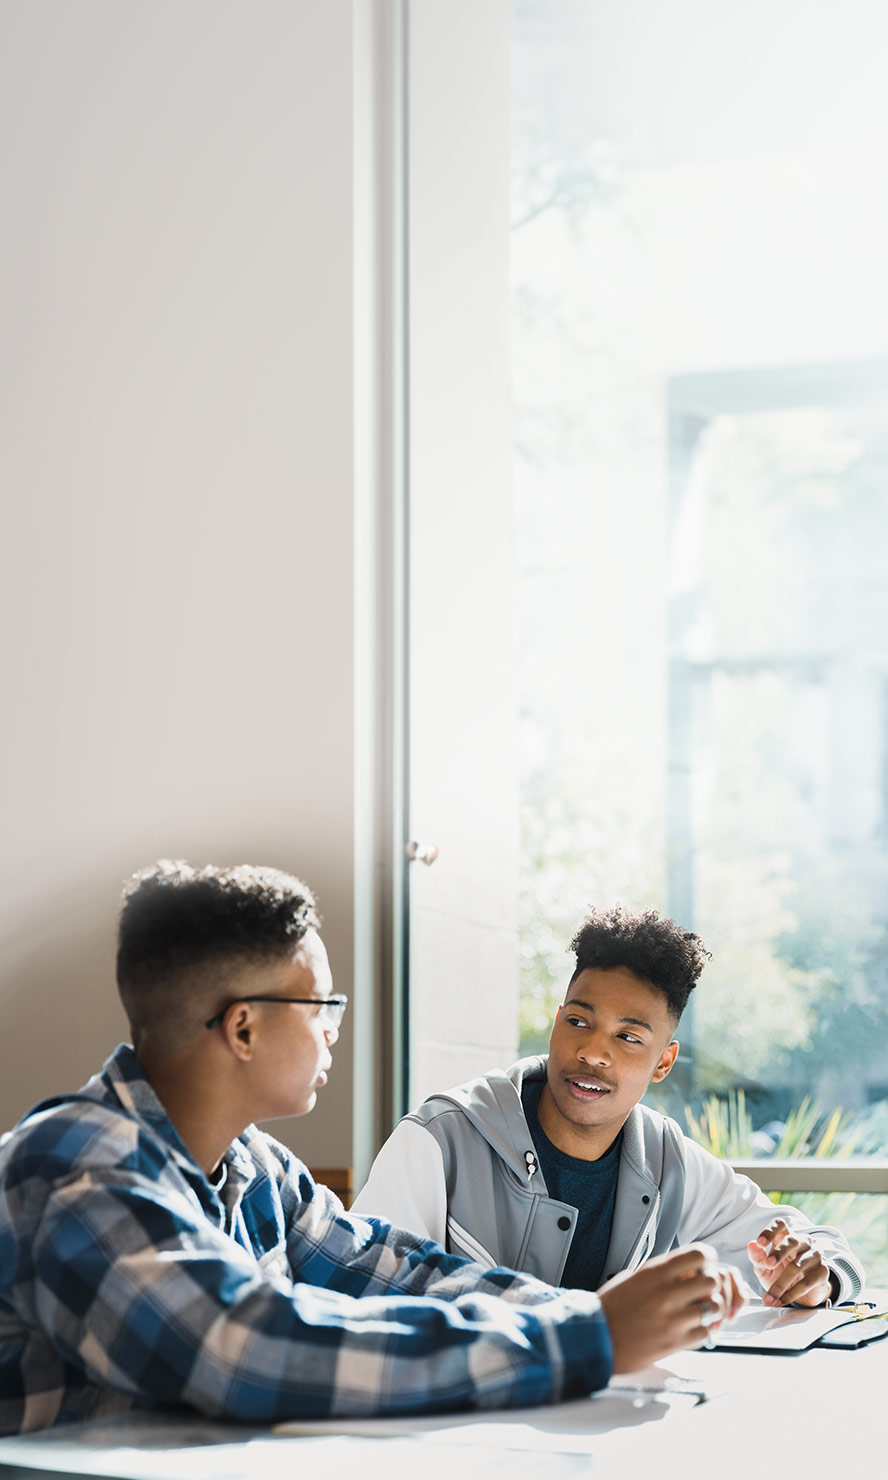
x=462, y=1169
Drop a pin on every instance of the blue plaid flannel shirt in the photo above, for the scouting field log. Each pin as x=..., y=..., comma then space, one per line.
x=127, y=1279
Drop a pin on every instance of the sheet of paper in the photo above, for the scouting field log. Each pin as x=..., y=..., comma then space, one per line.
x=786, y=1329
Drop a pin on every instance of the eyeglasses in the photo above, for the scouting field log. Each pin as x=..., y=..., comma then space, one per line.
x=330, y=1009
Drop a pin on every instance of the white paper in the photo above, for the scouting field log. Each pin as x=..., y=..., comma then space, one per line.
x=786, y=1328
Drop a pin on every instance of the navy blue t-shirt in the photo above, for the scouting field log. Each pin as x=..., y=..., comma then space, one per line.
x=588, y=1186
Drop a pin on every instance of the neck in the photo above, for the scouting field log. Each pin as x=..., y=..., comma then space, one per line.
x=583, y=1142
x=205, y=1112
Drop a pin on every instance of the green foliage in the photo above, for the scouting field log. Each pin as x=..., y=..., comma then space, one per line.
x=724, y=1127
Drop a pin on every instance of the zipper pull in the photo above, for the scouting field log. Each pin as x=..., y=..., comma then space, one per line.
x=531, y=1163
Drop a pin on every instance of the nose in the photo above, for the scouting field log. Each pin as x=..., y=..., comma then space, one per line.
x=331, y=1033
x=594, y=1049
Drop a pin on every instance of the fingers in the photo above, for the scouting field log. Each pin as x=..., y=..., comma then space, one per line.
x=701, y=1334
x=789, y=1269
x=692, y=1278
x=672, y=1281
x=802, y=1280
x=710, y=1310
x=669, y=1303
x=732, y=1293
x=683, y=1301
x=761, y=1250
x=685, y=1261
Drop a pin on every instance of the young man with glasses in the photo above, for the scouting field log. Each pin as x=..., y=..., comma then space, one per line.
x=157, y=1249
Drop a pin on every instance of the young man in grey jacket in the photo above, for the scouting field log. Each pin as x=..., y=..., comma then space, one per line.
x=556, y=1169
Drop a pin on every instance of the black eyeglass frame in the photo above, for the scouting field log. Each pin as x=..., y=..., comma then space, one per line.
x=339, y=1002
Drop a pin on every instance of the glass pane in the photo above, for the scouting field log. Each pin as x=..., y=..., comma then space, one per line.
x=700, y=343
x=862, y=1217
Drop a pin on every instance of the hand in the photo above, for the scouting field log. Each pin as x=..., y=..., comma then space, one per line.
x=660, y=1308
x=732, y=1292
x=790, y=1271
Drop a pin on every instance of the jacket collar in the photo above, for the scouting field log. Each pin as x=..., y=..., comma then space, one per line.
x=493, y=1105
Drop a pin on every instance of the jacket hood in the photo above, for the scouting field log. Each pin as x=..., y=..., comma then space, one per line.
x=492, y=1104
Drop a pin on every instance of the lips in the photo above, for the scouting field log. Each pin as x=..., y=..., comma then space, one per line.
x=587, y=1088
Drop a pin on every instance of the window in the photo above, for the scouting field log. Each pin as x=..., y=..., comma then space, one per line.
x=700, y=344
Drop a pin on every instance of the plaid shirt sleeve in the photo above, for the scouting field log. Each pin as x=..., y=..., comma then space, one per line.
x=361, y=1255
x=132, y=1288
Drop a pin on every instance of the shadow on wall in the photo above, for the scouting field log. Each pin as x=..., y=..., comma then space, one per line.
x=60, y=1016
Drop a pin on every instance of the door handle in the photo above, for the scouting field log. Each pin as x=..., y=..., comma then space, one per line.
x=421, y=853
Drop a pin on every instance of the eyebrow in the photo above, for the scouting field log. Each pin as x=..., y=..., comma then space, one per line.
x=589, y=1006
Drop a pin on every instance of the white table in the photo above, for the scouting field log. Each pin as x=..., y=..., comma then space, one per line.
x=821, y=1414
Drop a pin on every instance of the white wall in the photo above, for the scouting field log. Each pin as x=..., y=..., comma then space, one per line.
x=177, y=481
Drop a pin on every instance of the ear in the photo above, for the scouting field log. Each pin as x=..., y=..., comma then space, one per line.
x=238, y=1028
x=667, y=1059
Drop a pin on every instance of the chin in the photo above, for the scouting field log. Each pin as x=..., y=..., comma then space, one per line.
x=596, y=1114
x=287, y=1112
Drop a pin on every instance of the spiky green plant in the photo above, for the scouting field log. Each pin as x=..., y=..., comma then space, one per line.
x=724, y=1127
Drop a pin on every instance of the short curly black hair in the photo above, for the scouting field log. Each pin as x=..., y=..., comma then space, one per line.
x=181, y=927
x=660, y=951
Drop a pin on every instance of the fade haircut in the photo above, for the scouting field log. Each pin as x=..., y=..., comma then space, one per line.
x=659, y=951
x=185, y=932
